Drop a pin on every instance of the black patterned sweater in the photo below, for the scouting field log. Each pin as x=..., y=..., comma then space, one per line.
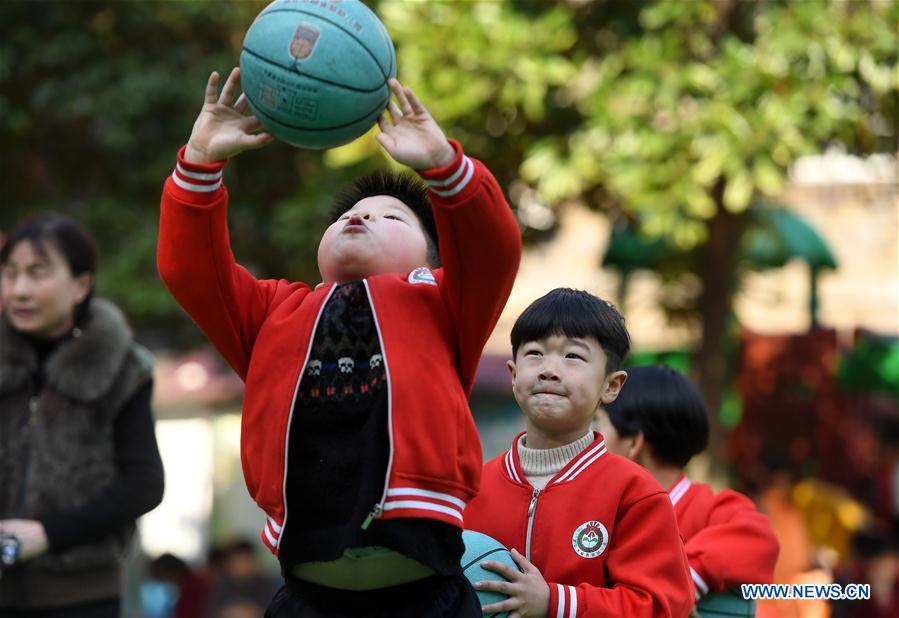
x=339, y=447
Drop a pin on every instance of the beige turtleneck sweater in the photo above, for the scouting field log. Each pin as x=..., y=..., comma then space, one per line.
x=541, y=464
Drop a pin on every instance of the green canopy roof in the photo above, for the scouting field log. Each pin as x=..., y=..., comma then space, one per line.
x=775, y=237
x=779, y=235
x=629, y=250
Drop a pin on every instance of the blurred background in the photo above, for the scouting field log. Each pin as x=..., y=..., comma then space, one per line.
x=724, y=171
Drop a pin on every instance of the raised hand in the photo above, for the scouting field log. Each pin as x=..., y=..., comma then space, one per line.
x=410, y=135
x=224, y=127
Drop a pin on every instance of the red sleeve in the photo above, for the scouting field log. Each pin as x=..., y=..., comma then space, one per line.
x=480, y=249
x=196, y=264
x=646, y=567
x=737, y=546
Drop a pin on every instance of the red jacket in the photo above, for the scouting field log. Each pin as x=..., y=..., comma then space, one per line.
x=432, y=328
x=728, y=541
x=602, y=533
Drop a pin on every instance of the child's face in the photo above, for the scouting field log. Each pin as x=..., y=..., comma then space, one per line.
x=558, y=383
x=378, y=235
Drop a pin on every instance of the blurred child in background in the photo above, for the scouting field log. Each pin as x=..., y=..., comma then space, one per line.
x=660, y=421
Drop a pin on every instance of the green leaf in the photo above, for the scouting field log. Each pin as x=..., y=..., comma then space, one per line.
x=699, y=204
x=767, y=177
x=738, y=192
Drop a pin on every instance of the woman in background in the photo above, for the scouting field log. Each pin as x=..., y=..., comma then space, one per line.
x=78, y=456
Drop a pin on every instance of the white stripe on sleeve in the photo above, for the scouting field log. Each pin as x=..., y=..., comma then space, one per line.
x=189, y=186
x=424, y=493
x=270, y=538
x=560, y=611
x=426, y=506
x=453, y=177
x=198, y=175
x=701, y=586
x=469, y=167
x=572, y=612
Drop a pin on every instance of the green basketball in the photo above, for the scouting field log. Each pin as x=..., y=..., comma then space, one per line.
x=727, y=604
x=315, y=72
x=478, y=548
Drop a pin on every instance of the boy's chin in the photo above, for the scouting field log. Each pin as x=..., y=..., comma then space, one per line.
x=356, y=268
x=351, y=267
x=363, y=271
x=555, y=426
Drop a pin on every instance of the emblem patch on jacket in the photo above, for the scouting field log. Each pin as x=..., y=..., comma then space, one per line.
x=422, y=275
x=590, y=539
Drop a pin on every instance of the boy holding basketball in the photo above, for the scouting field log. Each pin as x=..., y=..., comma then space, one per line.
x=357, y=440
x=661, y=422
x=593, y=533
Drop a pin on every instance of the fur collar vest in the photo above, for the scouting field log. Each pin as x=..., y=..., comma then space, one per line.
x=82, y=366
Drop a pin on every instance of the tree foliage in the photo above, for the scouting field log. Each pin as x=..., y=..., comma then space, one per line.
x=722, y=96
x=665, y=111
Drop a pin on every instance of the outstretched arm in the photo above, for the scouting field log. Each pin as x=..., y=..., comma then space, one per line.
x=194, y=252
x=480, y=244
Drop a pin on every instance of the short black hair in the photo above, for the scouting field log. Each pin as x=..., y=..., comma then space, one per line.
x=408, y=189
x=75, y=245
x=574, y=313
x=664, y=405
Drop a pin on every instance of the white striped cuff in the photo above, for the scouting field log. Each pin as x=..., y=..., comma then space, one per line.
x=423, y=499
x=272, y=531
x=567, y=607
x=271, y=534
x=456, y=182
x=201, y=182
x=274, y=526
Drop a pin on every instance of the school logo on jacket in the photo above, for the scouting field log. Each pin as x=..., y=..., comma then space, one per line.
x=422, y=275
x=590, y=539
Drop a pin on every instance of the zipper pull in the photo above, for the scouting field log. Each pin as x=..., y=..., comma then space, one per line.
x=533, y=503
x=375, y=512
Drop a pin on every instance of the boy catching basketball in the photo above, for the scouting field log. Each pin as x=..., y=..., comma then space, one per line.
x=357, y=440
x=661, y=422
x=593, y=533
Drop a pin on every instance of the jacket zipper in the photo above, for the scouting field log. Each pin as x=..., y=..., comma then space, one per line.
x=293, y=402
x=375, y=512
x=378, y=508
x=531, y=509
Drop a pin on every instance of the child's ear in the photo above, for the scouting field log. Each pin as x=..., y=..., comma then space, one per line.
x=612, y=386
x=637, y=448
x=510, y=364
